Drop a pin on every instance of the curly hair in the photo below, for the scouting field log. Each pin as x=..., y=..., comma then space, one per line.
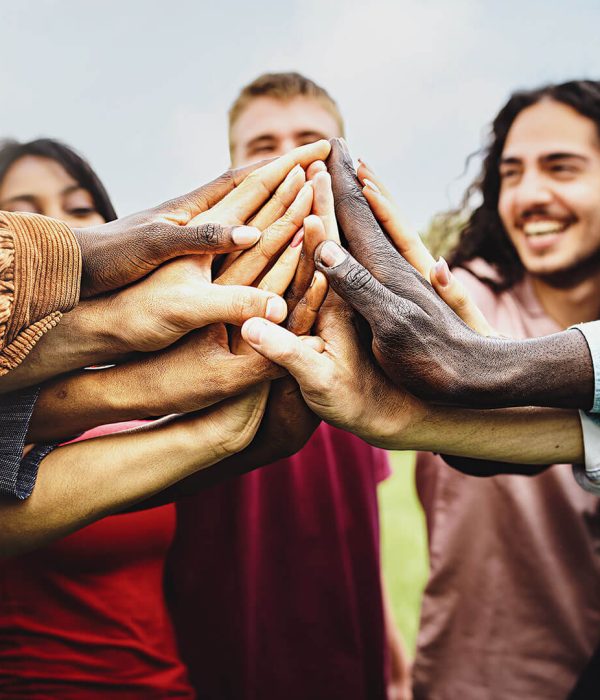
x=483, y=235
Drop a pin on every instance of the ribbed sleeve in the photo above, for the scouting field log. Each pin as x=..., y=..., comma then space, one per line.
x=40, y=273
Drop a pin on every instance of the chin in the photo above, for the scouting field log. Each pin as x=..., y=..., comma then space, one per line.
x=563, y=272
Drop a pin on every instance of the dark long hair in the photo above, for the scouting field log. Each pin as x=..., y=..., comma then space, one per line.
x=484, y=236
x=77, y=167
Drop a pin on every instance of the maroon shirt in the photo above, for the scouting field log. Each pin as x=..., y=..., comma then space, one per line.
x=276, y=578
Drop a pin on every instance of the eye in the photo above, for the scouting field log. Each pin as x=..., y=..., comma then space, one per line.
x=262, y=149
x=508, y=173
x=81, y=212
x=564, y=168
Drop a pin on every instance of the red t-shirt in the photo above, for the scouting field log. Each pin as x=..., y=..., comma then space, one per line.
x=276, y=578
x=84, y=618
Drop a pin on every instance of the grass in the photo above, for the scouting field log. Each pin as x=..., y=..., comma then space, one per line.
x=404, y=544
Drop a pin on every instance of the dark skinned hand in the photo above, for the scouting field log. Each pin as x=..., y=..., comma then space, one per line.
x=123, y=251
x=420, y=342
x=206, y=220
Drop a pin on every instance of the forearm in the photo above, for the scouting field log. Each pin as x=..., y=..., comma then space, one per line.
x=70, y=405
x=88, y=335
x=256, y=455
x=185, y=378
x=521, y=435
x=82, y=482
x=278, y=437
x=555, y=371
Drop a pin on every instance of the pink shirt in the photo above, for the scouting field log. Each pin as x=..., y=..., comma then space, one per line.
x=512, y=605
x=276, y=578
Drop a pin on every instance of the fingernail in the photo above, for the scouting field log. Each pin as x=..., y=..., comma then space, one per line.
x=371, y=185
x=314, y=278
x=331, y=254
x=442, y=272
x=244, y=235
x=254, y=330
x=297, y=239
x=276, y=309
x=367, y=166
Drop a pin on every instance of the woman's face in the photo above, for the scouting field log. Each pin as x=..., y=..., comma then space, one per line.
x=42, y=186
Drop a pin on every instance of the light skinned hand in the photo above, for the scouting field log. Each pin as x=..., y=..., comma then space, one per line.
x=410, y=245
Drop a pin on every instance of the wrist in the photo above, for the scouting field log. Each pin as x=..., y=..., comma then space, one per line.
x=397, y=424
x=551, y=371
x=98, y=323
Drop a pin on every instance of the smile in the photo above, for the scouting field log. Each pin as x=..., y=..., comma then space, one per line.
x=541, y=228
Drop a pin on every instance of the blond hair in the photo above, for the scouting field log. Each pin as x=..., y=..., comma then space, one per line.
x=282, y=86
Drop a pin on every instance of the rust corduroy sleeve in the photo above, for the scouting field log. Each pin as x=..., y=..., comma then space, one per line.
x=40, y=274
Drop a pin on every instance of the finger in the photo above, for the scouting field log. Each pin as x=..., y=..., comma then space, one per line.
x=281, y=200
x=273, y=209
x=279, y=277
x=365, y=172
x=234, y=305
x=181, y=210
x=314, y=233
x=317, y=167
x=249, y=266
x=365, y=239
x=409, y=245
x=353, y=282
x=304, y=315
x=458, y=299
x=158, y=242
x=324, y=205
x=285, y=349
x=243, y=372
x=238, y=206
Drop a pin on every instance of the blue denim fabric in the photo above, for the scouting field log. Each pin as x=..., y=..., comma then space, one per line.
x=18, y=473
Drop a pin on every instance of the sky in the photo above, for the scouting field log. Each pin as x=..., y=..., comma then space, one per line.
x=142, y=87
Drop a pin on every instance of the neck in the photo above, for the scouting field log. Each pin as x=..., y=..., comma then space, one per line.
x=571, y=297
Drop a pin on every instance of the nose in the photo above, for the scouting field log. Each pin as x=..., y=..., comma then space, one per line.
x=532, y=191
x=56, y=211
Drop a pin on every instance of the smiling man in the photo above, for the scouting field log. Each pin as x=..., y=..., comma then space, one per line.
x=512, y=605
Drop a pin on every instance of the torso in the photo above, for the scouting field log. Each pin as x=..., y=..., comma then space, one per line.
x=512, y=605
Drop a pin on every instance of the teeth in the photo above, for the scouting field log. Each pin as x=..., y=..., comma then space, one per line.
x=538, y=228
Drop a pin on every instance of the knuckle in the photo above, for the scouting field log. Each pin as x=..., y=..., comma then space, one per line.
x=357, y=278
x=209, y=235
x=243, y=306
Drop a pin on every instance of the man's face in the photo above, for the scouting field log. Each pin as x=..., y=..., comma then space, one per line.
x=550, y=188
x=270, y=127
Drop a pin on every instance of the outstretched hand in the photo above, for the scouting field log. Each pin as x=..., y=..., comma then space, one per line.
x=210, y=220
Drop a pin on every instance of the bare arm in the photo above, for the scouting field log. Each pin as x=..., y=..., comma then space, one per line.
x=82, y=482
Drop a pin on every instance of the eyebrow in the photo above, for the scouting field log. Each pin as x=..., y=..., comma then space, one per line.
x=269, y=138
x=32, y=199
x=549, y=158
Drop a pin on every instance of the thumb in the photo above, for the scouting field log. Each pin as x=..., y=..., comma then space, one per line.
x=232, y=304
x=277, y=344
x=163, y=241
x=353, y=282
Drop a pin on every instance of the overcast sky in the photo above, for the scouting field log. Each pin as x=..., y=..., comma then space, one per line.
x=142, y=87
